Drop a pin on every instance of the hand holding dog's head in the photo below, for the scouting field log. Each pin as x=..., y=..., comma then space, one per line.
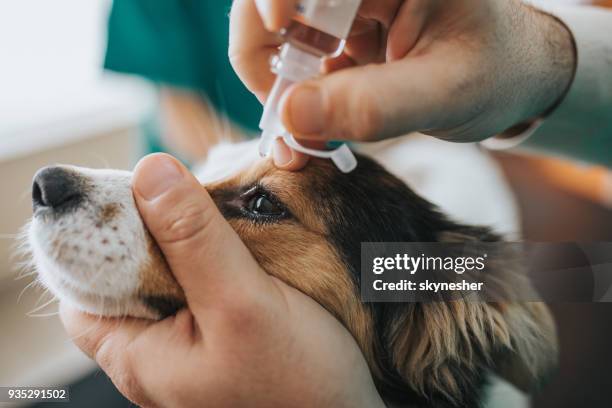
x=237, y=314
x=304, y=229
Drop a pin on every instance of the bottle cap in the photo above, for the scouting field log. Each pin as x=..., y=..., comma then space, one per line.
x=343, y=157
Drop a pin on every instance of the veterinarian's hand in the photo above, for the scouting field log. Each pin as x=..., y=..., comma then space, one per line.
x=460, y=70
x=247, y=338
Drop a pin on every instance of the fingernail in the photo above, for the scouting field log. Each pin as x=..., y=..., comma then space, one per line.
x=282, y=154
x=155, y=176
x=306, y=112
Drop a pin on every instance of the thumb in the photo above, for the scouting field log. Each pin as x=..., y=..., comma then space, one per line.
x=206, y=256
x=368, y=102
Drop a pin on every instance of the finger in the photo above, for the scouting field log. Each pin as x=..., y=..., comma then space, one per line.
x=286, y=158
x=276, y=14
x=205, y=254
x=368, y=45
x=407, y=27
x=90, y=332
x=107, y=341
x=371, y=102
x=251, y=46
x=381, y=11
x=340, y=62
x=368, y=36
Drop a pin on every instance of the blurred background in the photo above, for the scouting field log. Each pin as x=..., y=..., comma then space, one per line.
x=55, y=106
x=168, y=86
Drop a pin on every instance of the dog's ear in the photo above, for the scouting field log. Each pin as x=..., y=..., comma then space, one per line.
x=529, y=348
x=445, y=348
x=531, y=355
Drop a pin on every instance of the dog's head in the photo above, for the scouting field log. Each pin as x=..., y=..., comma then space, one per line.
x=92, y=250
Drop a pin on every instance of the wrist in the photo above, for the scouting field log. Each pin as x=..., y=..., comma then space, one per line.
x=556, y=54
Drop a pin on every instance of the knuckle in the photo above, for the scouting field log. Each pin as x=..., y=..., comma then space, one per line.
x=186, y=224
x=353, y=111
x=120, y=370
x=368, y=119
x=103, y=354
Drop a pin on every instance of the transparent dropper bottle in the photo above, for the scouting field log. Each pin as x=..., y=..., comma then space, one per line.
x=318, y=31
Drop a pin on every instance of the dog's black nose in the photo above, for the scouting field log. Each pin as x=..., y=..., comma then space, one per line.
x=57, y=188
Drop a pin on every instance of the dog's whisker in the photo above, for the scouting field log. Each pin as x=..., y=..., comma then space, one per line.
x=24, y=275
x=43, y=315
x=42, y=296
x=25, y=272
x=23, y=291
x=24, y=268
x=41, y=307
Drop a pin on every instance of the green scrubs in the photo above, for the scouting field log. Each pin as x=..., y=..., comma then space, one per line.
x=182, y=43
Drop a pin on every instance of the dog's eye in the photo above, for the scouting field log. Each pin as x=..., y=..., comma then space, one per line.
x=261, y=205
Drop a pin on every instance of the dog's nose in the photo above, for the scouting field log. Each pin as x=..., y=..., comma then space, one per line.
x=56, y=188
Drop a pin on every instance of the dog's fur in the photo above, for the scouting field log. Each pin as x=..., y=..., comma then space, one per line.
x=99, y=256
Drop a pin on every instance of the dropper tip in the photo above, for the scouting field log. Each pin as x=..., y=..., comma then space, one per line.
x=265, y=143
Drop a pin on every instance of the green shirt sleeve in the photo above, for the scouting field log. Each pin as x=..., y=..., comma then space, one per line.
x=181, y=43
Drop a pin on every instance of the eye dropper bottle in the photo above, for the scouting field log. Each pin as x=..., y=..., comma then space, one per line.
x=318, y=31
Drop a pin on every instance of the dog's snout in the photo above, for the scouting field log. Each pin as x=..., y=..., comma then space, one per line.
x=56, y=188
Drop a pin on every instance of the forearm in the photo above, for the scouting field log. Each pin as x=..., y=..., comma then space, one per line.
x=581, y=126
x=551, y=54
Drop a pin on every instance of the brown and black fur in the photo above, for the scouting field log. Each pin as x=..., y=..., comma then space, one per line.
x=421, y=354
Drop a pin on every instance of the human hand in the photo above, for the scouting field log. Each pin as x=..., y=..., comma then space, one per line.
x=246, y=339
x=461, y=71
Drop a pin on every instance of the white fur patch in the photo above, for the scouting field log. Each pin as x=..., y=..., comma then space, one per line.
x=91, y=256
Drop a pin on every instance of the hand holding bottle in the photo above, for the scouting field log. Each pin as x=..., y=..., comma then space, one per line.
x=462, y=70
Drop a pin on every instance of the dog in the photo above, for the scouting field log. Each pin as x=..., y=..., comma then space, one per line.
x=92, y=250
